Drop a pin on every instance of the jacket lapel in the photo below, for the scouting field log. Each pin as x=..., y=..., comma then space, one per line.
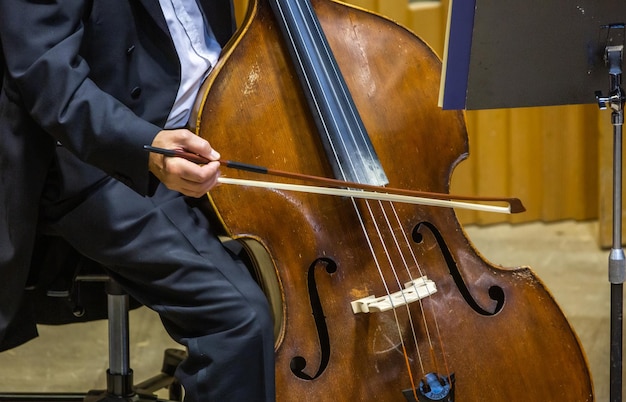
x=154, y=10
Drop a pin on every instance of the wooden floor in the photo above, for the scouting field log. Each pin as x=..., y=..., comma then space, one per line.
x=564, y=255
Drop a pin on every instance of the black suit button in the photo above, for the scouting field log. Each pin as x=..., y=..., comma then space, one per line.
x=135, y=92
x=130, y=50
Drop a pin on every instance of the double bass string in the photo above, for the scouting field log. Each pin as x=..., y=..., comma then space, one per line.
x=417, y=265
x=386, y=286
x=399, y=248
x=408, y=270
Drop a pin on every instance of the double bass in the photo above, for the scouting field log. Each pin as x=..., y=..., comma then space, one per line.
x=372, y=300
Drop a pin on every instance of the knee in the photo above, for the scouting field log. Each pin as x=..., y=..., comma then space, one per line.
x=245, y=315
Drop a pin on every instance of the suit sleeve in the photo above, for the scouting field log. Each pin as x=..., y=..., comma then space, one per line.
x=41, y=40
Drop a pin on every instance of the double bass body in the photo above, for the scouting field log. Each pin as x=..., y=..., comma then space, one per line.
x=486, y=333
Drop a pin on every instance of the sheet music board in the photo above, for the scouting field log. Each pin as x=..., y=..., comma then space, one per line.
x=521, y=53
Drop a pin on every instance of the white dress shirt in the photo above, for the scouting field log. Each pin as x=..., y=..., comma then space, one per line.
x=197, y=49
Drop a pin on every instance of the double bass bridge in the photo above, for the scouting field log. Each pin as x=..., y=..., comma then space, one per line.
x=413, y=291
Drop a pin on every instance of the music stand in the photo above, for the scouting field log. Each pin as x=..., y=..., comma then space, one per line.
x=508, y=54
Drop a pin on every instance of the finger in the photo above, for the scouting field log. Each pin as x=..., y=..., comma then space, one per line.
x=194, y=173
x=196, y=189
x=200, y=146
x=192, y=179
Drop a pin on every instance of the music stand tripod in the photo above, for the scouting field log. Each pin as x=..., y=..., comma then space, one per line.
x=617, y=261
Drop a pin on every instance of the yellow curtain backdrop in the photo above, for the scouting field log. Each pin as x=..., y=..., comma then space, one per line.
x=556, y=159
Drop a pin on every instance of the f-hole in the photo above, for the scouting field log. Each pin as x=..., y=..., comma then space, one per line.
x=298, y=363
x=496, y=293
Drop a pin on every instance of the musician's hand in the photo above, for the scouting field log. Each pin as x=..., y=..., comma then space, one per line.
x=179, y=174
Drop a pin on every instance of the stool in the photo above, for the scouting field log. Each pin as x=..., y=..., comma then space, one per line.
x=119, y=380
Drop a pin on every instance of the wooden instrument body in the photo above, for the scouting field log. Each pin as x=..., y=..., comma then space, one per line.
x=253, y=110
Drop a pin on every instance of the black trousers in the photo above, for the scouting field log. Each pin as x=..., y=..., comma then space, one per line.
x=162, y=251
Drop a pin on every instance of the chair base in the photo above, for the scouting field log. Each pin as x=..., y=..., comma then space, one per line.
x=142, y=392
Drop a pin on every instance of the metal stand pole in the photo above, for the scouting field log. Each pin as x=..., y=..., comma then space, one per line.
x=119, y=375
x=617, y=261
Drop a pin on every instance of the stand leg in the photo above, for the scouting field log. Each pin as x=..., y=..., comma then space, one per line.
x=616, y=342
x=617, y=262
x=119, y=375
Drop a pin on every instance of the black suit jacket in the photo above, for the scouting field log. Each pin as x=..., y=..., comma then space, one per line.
x=98, y=76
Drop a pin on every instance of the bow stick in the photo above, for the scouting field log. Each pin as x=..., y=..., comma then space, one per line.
x=347, y=189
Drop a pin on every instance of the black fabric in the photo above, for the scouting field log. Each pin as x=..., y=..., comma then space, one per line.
x=163, y=251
